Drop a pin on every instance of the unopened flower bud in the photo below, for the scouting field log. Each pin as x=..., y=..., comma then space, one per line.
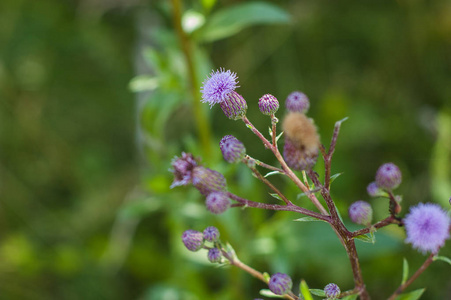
x=214, y=255
x=207, y=180
x=301, y=141
x=332, y=291
x=234, y=106
x=217, y=202
x=193, y=240
x=373, y=190
x=268, y=104
x=211, y=234
x=360, y=212
x=232, y=149
x=297, y=102
x=280, y=283
x=388, y=176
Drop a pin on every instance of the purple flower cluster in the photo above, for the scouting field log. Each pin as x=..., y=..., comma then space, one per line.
x=207, y=180
x=211, y=234
x=427, y=227
x=193, y=240
x=183, y=169
x=217, y=202
x=218, y=86
x=332, y=291
x=388, y=176
x=297, y=102
x=360, y=212
x=268, y=104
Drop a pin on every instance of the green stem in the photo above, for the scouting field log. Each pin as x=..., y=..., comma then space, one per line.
x=202, y=124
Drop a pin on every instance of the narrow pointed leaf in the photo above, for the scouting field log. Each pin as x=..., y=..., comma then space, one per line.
x=335, y=176
x=317, y=292
x=443, y=258
x=412, y=295
x=367, y=238
x=274, y=195
x=269, y=294
x=272, y=173
x=308, y=219
x=405, y=271
x=279, y=136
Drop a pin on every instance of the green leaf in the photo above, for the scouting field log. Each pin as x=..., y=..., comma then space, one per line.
x=269, y=294
x=272, y=173
x=308, y=219
x=443, y=258
x=333, y=177
x=266, y=276
x=230, y=21
x=303, y=287
x=350, y=297
x=274, y=195
x=367, y=238
x=279, y=136
x=411, y=296
x=317, y=292
x=405, y=271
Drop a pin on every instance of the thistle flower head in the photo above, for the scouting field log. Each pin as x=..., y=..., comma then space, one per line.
x=193, y=240
x=332, y=291
x=297, y=102
x=388, y=176
x=360, y=212
x=214, y=255
x=374, y=190
x=183, y=169
x=217, y=202
x=217, y=87
x=427, y=227
x=268, y=104
x=207, y=180
x=234, y=106
x=280, y=283
x=211, y=234
x=232, y=149
x=301, y=141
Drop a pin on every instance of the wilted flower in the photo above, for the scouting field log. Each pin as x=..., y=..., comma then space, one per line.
x=427, y=227
x=280, y=283
x=232, y=149
x=183, y=169
x=218, y=86
x=388, y=176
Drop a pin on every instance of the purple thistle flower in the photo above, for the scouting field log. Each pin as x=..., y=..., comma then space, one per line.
x=374, y=190
x=297, y=102
x=234, y=106
x=207, y=180
x=427, y=227
x=332, y=291
x=217, y=202
x=232, y=149
x=182, y=169
x=280, y=283
x=193, y=240
x=214, y=255
x=388, y=176
x=360, y=212
x=296, y=158
x=217, y=87
x=211, y=234
x=268, y=104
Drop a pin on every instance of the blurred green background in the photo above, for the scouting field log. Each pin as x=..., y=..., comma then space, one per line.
x=96, y=99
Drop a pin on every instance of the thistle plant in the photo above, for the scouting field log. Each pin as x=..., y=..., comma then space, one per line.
x=427, y=225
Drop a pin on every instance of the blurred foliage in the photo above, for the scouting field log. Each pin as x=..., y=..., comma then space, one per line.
x=86, y=210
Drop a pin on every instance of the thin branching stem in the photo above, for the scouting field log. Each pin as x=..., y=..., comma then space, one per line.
x=385, y=222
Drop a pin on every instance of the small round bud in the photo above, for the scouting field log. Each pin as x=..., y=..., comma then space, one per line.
x=217, y=202
x=388, y=176
x=234, y=106
x=182, y=168
x=207, y=180
x=360, y=212
x=297, y=102
x=193, y=240
x=427, y=227
x=373, y=190
x=332, y=291
x=214, y=255
x=280, y=283
x=232, y=149
x=211, y=234
x=268, y=104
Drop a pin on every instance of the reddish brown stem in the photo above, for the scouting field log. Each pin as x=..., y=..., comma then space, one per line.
x=385, y=222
